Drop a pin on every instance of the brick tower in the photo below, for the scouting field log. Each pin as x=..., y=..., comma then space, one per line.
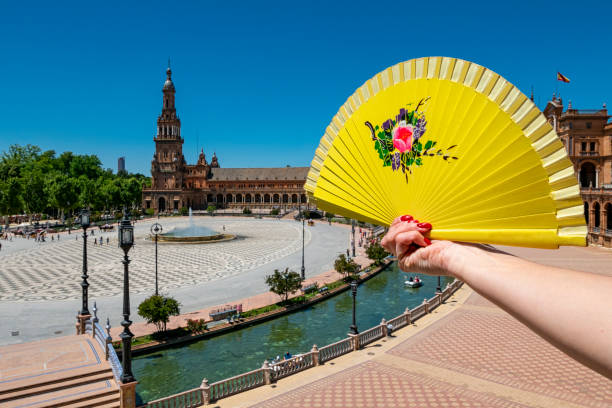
x=168, y=164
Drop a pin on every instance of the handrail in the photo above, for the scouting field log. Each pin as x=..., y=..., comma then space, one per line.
x=114, y=362
x=291, y=366
x=187, y=399
x=370, y=335
x=237, y=384
x=99, y=335
x=418, y=311
x=336, y=349
x=399, y=321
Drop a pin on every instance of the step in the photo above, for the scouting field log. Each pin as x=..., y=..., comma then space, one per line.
x=104, y=391
x=105, y=401
x=52, y=378
x=56, y=385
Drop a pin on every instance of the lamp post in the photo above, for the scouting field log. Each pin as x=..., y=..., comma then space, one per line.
x=353, y=240
x=439, y=288
x=126, y=241
x=353, y=328
x=303, y=267
x=156, y=229
x=84, y=218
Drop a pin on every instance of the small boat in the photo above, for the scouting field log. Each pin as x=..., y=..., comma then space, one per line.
x=414, y=283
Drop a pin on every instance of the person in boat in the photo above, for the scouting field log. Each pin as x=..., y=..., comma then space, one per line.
x=410, y=279
x=490, y=272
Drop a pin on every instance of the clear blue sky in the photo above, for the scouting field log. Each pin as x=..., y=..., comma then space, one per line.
x=258, y=82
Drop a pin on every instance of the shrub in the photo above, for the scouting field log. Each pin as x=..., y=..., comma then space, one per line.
x=184, y=211
x=247, y=210
x=274, y=211
x=284, y=283
x=211, y=209
x=157, y=309
x=345, y=266
x=376, y=252
x=196, y=326
x=150, y=211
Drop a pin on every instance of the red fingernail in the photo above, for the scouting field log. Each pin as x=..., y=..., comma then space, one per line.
x=416, y=221
x=424, y=225
x=427, y=241
x=406, y=218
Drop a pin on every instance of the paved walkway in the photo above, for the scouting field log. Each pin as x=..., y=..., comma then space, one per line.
x=467, y=353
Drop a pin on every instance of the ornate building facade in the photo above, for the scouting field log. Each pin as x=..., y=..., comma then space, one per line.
x=587, y=136
x=176, y=184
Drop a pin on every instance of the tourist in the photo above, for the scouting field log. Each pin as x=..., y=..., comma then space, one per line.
x=534, y=294
x=106, y=240
x=287, y=355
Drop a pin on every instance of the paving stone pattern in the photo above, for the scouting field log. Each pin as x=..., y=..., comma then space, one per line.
x=372, y=384
x=52, y=270
x=488, y=345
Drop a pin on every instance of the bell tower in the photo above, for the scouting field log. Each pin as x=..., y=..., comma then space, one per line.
x=168, y=161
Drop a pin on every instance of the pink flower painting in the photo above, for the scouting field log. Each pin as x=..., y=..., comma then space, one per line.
x=402, y=136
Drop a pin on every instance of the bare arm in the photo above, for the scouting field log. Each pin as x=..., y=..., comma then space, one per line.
x=571, y=310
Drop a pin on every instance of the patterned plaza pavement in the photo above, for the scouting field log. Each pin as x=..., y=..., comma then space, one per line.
x=50, y=270
x=40, y=290
x=467, y=353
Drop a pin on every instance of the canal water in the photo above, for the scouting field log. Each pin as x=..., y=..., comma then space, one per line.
x=173, y=370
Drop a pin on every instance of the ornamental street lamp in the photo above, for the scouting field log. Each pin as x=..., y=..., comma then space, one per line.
x=126, y=241
x=353, y=328
x=439, y=288
x=156, y=229
x=84, y=219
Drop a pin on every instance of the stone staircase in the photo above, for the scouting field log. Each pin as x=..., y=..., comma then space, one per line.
x=83, y=387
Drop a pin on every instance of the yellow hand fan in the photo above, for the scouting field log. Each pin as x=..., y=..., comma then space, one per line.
x=454, y=144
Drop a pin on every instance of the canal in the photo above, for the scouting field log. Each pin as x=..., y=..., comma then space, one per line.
x=173, y=370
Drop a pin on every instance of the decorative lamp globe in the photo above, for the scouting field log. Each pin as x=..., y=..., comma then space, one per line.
x=84, y=218
x=126, y=233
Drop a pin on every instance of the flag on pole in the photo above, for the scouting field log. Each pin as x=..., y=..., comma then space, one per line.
x=562, y=78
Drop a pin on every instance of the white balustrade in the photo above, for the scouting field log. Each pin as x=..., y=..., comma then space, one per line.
x=237, y=384
x=187, y=399
x=370, y=335
x=293, y=365
x=334, y=350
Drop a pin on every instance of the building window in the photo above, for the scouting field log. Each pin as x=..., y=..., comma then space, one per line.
x=588, y=125
x=571, y=126
x=583, y=146
x=592, y=146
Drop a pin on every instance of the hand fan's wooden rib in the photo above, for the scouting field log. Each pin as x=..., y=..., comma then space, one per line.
x=419, y=67
x=556, y=161
x=487, y=81
x=408, y=70
x=511, y=101
x=446, y=68
x=460, y=71
x=566, y=193
x=562, y=179
x=500, y=91
x=549, y=146
x=396, y=74
x=571, y=216
x=529, y=117
x=433, y=67
x=573, y=235
x=537, y=129
x=473, y=75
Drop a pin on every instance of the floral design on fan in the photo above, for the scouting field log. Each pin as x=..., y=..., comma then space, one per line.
x=400, y=143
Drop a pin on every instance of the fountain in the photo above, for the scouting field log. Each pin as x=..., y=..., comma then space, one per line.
x=193, y=234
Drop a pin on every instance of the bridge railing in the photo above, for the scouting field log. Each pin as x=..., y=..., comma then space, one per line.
x=269, y=373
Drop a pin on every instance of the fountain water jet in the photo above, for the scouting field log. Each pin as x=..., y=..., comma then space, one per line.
x=193, y=234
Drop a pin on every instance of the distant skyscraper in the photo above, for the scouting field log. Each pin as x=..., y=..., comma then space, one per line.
x=121, y=164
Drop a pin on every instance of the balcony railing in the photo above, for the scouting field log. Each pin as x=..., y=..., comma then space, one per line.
x=596, y=230
x=589, y=153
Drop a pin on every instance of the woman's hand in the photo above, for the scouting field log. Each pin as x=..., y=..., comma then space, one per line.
x=416, y=253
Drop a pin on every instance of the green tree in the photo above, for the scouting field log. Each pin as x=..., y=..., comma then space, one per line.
x=33, y=195
x=376, y=252
x=157, y=309
x=10, y=198
x=284, y=283
x=346, y=267
x=211, y=209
